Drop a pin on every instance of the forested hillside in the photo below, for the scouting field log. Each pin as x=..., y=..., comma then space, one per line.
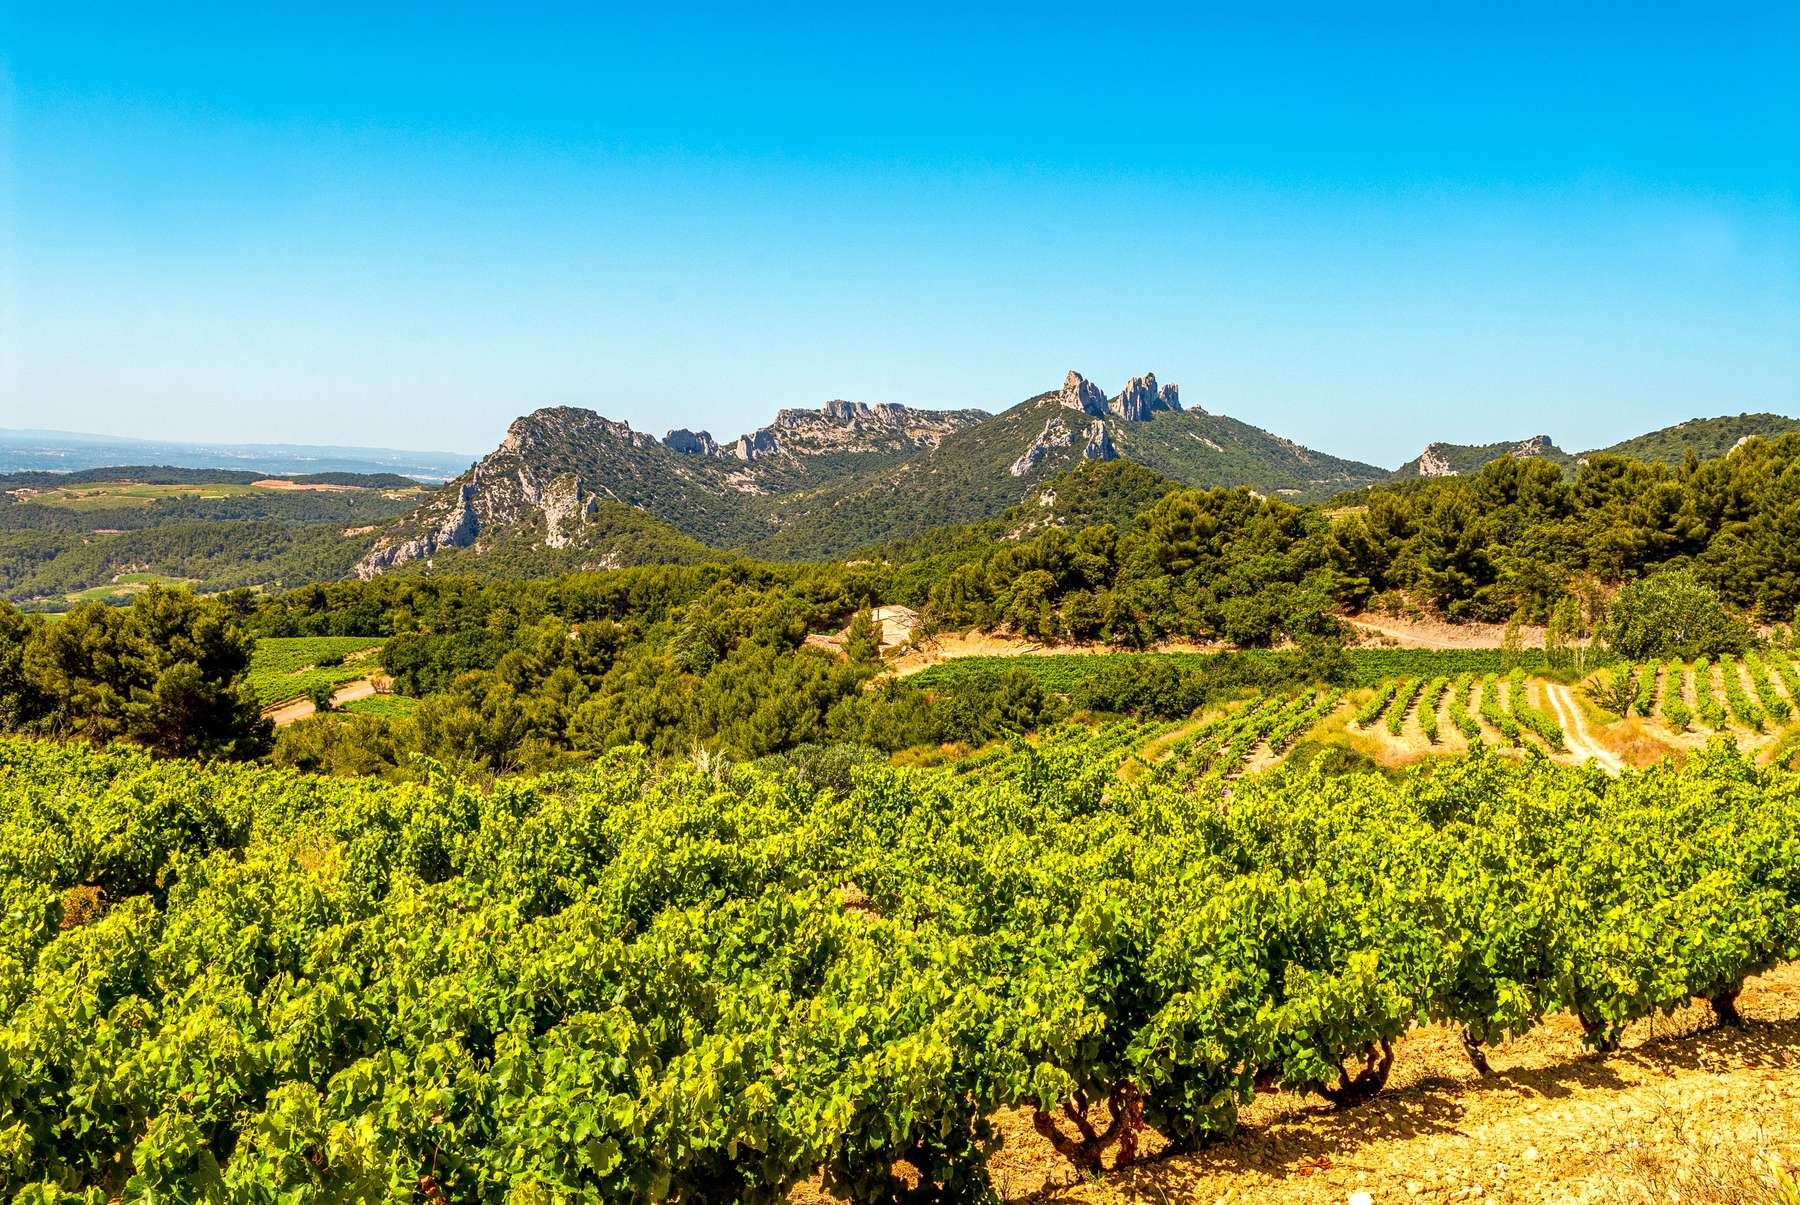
x=518, y=674
x=572, y=492
x=1704, y=437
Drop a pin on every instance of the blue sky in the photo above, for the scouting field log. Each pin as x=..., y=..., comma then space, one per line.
x=407, y=228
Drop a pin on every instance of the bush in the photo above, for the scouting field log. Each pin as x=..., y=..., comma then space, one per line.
x=1673, y=614
x=1677, y=714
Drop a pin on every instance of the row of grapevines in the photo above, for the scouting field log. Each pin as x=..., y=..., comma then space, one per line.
x=636, y=982
x=1497, y=716
x=1534, y=718
x=1743, y=710
x=1677, y=715
x=1378, y=703
x=1644, y=701
x=1790, y=678
x=1777, y=707
x=1401, y=704
x=1706, y=696
x=1428, y=707
x=1464, y=723
x=1296, y=723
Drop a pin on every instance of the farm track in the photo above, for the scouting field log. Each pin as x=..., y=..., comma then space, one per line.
x=1576, y=734
x=295, y=710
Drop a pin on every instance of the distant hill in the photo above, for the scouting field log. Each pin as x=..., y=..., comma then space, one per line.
x=1446, y=460
x=163, y=474
x=980, y=472
x=821, y=483
x=552, y=479
x=569, y=489
x=1705, y=437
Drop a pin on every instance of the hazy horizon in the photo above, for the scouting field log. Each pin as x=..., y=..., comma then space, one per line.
x=403, y=229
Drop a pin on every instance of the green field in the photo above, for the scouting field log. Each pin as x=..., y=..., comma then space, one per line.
x=287, y=667
x=125, y=586
x=388, y=707
x=110, y=494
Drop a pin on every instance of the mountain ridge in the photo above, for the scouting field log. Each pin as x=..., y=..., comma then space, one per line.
x=818, y=483
x=1706, y=437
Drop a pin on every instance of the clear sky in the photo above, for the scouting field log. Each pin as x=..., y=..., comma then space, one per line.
x=1362, y=226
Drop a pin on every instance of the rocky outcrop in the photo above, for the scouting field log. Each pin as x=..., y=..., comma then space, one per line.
x=563, y=507
x=837, y=426
x=1079, y=393
x=691, y=443
x=1449, y=460
x=1142, y=398
x=1056, y=434
x=757, y=443
x=1099, y=444
x=456, y=528
x=1433, y=464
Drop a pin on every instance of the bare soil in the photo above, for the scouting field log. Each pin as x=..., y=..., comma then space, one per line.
x=956, y=645
x=282, y=483
x=1577, y=736
x=1394, y=631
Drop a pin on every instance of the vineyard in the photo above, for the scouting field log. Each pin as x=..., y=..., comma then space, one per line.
x=643, y=983
x=1064, y=673
x=1745, y=697
x=288, y=667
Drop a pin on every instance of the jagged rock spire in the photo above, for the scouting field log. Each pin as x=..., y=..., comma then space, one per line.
x=1142, y=397
x=1079, y=393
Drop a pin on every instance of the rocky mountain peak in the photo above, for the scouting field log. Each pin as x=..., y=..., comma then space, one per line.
x=1079, y=393
x=1142, y=397
x=1537, y=445
x=556, y=425
x=755, y=444
x=691, y=443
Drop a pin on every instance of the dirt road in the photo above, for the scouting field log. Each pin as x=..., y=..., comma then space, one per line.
x=298, y=709
x=1576, y=733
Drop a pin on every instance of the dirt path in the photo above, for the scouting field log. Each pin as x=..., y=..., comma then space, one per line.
x=1435, y=633
x=956, y=645
x=1576, y=733
x=298, y=709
